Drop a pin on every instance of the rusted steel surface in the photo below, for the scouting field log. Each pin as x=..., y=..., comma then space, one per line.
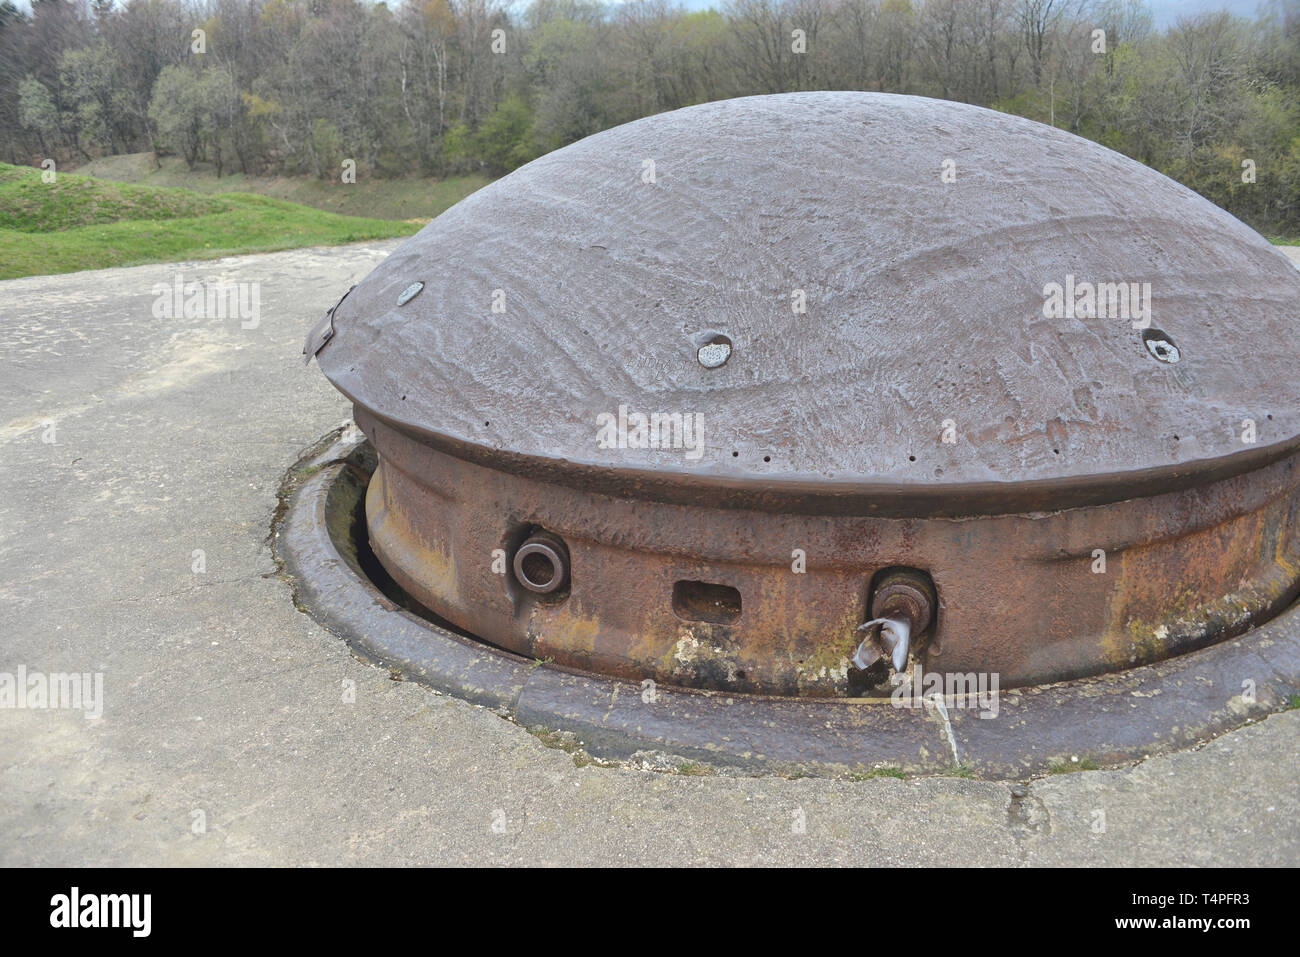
x=1017, y=594
x=923, y=412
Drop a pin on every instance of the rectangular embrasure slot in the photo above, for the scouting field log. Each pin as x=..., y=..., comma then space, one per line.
x=706, y=601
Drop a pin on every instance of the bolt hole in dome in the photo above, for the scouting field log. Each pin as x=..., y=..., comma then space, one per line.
x=1161, y=346
x=409, y=293
x=715, y=353
x=904, y=275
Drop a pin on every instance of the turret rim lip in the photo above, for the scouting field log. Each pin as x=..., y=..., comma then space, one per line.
x=815, y=495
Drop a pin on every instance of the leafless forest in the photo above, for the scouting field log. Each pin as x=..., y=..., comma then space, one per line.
x=435, y=87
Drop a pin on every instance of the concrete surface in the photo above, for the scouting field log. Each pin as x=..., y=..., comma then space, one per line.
x=227, y=736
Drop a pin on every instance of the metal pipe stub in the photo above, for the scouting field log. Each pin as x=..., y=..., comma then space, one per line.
x=904, y=593
x=541, y=564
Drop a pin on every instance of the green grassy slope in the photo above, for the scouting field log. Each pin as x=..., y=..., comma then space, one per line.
x=79, y=222
x=381, y=198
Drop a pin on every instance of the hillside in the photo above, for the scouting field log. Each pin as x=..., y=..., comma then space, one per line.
x=80, y=222
x=420, y=199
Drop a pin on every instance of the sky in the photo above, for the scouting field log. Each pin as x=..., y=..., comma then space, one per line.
x=1165, y=12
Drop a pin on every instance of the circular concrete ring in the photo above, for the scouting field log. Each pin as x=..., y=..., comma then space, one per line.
x=1094, y=722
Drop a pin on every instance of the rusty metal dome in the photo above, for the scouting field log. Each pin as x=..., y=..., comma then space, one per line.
x=695, y=398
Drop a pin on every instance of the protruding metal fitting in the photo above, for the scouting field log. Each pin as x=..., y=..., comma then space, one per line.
x=542, y=563
x=892, y=641
x=323, y=331
x=902, y=607
x=906, y=594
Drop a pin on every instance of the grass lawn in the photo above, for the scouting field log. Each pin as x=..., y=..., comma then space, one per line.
x=407, y=198
x=79, y=222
